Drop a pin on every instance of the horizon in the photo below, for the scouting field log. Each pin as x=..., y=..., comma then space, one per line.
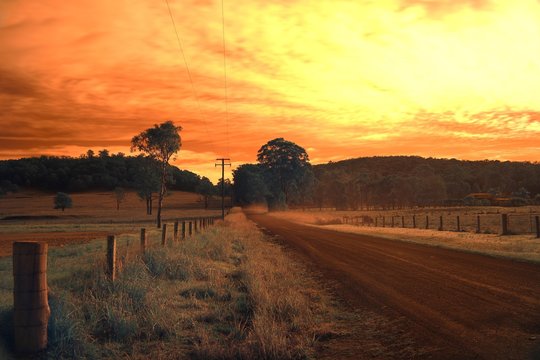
x=216, y=180
x=447, y=79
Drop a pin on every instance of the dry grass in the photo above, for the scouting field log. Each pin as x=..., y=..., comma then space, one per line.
x=519, y=247
x=93, y=215
x=94, y=207
x=226, y=293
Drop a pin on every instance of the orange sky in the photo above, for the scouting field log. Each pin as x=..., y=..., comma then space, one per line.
x=442, y=78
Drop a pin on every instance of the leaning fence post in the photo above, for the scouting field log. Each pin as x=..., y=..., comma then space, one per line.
x=458, y=224
x=31, y=307
x=478, y=224
x=175, y=231
x=537, y=221
x=504, y=224
x=143, y=240
x=183, y=230
x=111, y=257
x=164, y=235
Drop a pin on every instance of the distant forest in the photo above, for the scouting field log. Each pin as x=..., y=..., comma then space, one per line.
x=402, y=181
x=94, y=172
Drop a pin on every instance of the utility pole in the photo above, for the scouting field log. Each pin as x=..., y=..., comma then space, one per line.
x=223, y=164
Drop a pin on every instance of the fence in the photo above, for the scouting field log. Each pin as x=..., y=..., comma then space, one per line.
x=30, y=292
x=503, y=224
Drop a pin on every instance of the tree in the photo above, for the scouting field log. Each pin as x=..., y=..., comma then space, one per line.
x=62, y=201
x=147, y=181
x=160, y=143
x=206, y=189
x=285, y=165
x=103, y=153
x=119, y=195
x=249, y=185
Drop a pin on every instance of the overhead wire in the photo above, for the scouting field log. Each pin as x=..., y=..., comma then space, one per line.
x=225, y=76
x=203, y=118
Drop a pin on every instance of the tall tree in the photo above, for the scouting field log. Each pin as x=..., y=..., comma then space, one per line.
x=249, y=186
x=160, y=142
x=286, y=165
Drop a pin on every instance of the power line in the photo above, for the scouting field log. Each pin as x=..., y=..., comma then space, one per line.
x=187, y=70
x=225, y=75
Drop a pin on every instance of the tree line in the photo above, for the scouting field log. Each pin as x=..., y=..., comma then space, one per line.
x=284, y=178
x=89, y=172
x=406, y=181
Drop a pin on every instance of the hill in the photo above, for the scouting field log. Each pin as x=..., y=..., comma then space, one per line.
x=396, y=181
x=103, y=172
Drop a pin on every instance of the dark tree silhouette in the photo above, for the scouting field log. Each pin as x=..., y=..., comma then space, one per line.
x=119, y=195
x=160, y=142
x=285, y=165
x=206, y=189
x=62, y=201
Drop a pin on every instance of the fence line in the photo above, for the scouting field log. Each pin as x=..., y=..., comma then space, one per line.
x=30, y=292
x=506, y=224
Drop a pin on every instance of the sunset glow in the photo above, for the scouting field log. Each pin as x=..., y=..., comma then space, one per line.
x=441, y=78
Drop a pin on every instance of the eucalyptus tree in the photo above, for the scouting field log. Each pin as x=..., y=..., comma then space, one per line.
x=160, y=143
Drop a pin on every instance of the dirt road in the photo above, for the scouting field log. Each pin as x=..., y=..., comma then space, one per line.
x=465, y=306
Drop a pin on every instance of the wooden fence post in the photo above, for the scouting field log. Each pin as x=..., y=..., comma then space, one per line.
x=392, y=221
x=458, y=224
x=427, y=222
x=504, y=224
x=414, y=221
x=183, y=230
x=143, y=240
x=440, y=223
x=31, y=307
x=383, y=222
x=175, y=231
x=164, y=235
x=111, y=257
x=402, y=221
x=190, y=228
x=537, y=221
x=478, y=224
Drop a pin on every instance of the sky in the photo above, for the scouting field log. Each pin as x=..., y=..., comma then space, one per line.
x=343, y=79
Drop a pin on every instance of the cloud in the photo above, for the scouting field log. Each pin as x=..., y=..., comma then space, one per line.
x=14, y=83
x=349, y=78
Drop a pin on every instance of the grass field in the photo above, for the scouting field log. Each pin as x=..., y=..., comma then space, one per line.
x=223, y=294
x=30, y=216
x=523, y=246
